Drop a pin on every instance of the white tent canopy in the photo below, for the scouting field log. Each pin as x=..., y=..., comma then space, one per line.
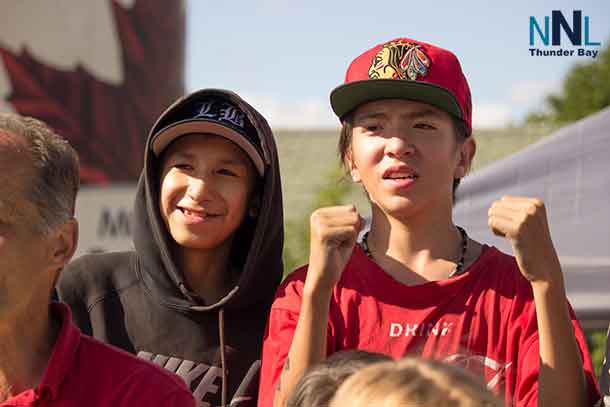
x=570, y=171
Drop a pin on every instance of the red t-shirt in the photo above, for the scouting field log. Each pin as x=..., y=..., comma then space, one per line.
x=484, y=320
x=85, y=372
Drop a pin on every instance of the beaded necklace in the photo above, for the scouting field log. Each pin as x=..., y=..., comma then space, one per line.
x=459, y=268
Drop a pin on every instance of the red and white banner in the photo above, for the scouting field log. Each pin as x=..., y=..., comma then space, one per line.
x=98, y=72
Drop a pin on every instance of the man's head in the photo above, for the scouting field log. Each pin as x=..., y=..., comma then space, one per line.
x=39, y=179
x=404, y=69
x=211, y=165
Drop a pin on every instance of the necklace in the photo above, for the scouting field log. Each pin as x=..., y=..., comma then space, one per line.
x=459, y=268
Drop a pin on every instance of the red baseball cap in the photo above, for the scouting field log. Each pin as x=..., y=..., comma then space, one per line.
x=405, y=69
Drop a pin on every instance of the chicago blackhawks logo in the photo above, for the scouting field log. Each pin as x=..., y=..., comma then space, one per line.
x=399, y=60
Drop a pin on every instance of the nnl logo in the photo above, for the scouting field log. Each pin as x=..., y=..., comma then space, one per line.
x=559, y=22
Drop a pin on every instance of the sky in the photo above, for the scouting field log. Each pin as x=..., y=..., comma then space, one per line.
x=285, y=57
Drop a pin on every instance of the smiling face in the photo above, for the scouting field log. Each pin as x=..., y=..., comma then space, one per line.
x=406, y=155
x=206, y=186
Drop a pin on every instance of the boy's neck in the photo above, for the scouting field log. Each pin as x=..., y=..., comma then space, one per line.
x=27, y=337
x=424, y=247
x=207, y=272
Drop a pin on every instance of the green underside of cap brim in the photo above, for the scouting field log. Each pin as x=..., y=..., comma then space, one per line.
x=349, y=96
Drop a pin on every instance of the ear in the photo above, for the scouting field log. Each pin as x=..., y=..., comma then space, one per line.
x=467, y=151
x=353, y=169
x=63, y=245
x=255, y=206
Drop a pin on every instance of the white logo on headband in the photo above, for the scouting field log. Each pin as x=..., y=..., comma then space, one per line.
x=222, y=111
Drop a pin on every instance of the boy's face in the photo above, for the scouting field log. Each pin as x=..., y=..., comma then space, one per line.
x=406, y=155
x=205, y=191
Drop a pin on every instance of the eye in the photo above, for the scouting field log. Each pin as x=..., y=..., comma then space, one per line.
x=227, y=172
x=371, y=127
x=424, y=126
x=183, y=166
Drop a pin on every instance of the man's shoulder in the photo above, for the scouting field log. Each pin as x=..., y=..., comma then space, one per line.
x=123, y=367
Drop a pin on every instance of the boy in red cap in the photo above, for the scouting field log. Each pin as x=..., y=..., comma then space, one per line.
x=416, y=284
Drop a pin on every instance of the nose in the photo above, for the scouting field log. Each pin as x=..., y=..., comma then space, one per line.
x=199, y=188
x=399, y=143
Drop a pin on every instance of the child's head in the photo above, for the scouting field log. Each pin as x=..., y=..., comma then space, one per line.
x=319, y=384
x=429, y=78
x=413, y=382
x=210, y=165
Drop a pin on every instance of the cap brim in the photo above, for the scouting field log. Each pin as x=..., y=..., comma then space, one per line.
x=349, y=96
x=165, y=136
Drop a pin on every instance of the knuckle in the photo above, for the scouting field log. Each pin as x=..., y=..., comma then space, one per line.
x=524, y=218
x=313, y=219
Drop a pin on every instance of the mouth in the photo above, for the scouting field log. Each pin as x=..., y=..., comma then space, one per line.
x=400, y=173
x=197, y=215
x=400, y=177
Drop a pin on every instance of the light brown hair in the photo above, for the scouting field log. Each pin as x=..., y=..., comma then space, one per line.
x=414, y=382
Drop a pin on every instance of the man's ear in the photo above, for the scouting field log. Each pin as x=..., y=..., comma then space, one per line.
x=63, y=244
x=467, y=151
x=353, y=169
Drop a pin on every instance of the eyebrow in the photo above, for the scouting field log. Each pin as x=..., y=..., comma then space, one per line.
x=190, y=156
x=232, y=161
x=418, y=114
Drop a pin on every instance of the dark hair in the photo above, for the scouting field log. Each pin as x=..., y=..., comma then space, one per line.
x=56, y=177
x=345, y=139
x=318, y=385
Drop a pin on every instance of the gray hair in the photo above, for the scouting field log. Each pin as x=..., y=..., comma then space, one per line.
x=56, y=179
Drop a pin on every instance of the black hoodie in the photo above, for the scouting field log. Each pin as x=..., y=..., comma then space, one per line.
x=139, y=300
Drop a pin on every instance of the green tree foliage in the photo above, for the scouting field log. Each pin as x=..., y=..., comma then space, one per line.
x=585, y=90
x=596, y=341
x=296, y=245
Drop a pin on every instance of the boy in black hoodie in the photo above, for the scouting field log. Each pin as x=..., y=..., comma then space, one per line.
x=195, y=294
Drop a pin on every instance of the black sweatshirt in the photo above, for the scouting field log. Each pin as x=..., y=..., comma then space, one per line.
x=139, y=300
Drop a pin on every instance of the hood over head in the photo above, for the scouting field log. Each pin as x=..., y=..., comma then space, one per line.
x=257, y=245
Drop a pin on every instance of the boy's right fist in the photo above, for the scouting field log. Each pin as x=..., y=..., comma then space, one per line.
x=333, y=234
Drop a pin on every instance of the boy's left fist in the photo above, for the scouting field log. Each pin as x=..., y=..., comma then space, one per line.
x=523, y=221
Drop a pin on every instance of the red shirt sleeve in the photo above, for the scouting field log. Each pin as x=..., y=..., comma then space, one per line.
x=526, y=390
x=276, y=345
x=282, y=323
